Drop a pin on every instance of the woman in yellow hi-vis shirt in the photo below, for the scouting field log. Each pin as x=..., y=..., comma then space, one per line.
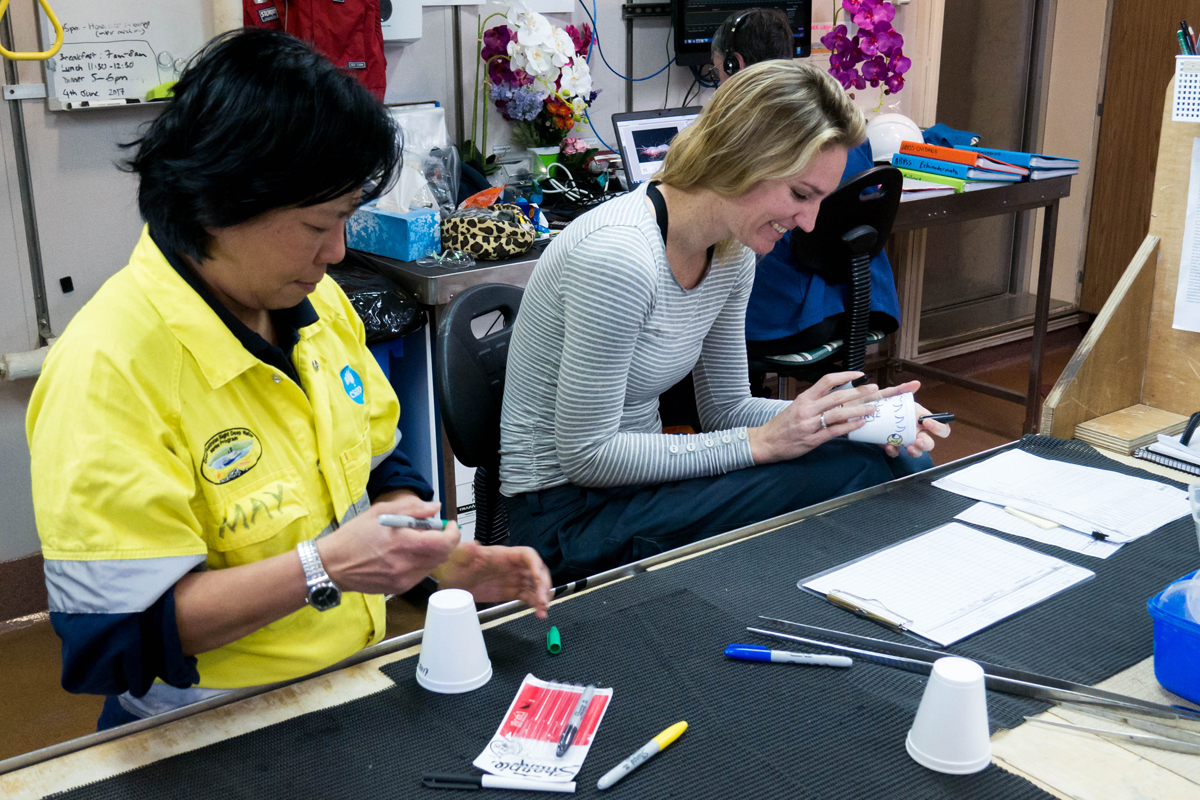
x=211, y=440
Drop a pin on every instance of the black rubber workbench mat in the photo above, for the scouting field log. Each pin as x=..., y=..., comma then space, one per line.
x=770, y=730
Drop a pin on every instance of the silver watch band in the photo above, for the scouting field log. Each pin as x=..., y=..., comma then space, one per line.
x=310, y=559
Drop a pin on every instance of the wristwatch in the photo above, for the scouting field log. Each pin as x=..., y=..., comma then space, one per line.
x=323, y=593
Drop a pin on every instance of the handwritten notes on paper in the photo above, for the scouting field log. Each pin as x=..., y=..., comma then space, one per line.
x=114, y=53
x=1187, y=293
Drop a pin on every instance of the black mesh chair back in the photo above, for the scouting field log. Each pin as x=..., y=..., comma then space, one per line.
x=470, y=386
x=851, y=229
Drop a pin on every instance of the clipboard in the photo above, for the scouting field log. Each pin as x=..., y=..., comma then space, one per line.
x=945, y=584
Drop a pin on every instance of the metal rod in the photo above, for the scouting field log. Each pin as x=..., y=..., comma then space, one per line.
x=1011, y=395
x=33, y=243
x=459, y=106
x=628, y=64
x=908, y=651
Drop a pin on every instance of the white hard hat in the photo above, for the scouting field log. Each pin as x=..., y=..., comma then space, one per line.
x=887, y=131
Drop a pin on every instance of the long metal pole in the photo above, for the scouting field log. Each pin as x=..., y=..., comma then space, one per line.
x=459, y=108
x=24, y=179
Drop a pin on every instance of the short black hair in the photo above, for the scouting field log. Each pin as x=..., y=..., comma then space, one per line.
x=258, y=121
x=763, y=34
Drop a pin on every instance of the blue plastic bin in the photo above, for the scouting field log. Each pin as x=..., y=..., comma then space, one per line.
x=1176, y=643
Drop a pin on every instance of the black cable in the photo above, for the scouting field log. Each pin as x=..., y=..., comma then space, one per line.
x=687, y=94
x=667, y=48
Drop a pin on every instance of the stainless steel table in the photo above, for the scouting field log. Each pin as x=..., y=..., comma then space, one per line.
x=436, y=286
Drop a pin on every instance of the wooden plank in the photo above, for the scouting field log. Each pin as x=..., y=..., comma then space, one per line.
x=1105, y=374
x=908, y=266
x=1130, y=428
x=1173, y=360
x=1141, y=56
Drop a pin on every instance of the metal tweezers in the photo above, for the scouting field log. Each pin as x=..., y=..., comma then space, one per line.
x=1178, y=728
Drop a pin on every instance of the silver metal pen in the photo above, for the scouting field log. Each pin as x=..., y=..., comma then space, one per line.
x=572, y=727
x=405, y=521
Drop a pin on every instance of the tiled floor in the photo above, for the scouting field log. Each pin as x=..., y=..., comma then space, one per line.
x=35, y=712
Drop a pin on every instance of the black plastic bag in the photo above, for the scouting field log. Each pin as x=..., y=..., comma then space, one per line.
x=387, y=311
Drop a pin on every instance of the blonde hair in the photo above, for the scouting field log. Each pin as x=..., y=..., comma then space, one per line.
x=767, y=121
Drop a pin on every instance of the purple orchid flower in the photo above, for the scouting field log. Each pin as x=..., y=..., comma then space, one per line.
x=837, y=40
x=899, y=64
x=873, y=12
x=895, y=83
x=874, y=70
x=853, y=6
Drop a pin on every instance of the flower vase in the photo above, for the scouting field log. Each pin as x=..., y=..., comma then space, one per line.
x=547, y=155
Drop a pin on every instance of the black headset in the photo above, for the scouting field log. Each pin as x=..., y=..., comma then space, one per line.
x=731, y=64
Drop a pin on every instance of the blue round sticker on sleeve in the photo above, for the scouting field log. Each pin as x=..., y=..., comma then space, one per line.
x=352, y=384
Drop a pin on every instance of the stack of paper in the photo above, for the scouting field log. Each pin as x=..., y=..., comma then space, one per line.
x=1119, y=507
x=996, y=518
x=1170, y=446
x=918, y=190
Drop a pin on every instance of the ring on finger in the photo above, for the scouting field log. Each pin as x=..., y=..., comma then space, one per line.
x=822, y=418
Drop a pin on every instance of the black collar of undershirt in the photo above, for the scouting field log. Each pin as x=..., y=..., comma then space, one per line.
x=287, y=321
x=660, y=214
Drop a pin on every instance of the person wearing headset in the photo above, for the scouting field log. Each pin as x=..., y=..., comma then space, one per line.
x=791, y=310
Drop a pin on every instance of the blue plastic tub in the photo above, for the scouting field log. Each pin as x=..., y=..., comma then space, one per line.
x=1176, y=643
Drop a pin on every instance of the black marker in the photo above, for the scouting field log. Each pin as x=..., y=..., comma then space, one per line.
x=943, y=418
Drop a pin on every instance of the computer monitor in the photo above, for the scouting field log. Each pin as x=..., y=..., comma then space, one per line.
x=697, y=20
x=644, y=137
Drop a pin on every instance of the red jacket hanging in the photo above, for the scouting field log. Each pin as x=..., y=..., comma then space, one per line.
x=348, y=32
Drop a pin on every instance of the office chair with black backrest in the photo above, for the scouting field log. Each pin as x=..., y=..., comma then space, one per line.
x=851, y=229
x=470, y=385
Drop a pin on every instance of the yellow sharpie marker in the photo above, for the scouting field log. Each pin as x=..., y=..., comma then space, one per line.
x=643, y=755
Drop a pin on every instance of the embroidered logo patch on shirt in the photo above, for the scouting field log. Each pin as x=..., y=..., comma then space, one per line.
x=268, y=14
x=231, y=453
x=356, y=65
x=352, y=384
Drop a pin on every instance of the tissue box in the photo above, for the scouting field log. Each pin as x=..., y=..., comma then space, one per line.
x=1176, y=643
x=404, y=236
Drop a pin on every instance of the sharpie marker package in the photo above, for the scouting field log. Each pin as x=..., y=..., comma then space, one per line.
x=526, y=742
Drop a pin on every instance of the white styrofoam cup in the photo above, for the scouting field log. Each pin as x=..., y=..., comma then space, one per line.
x=453, y=658
x=894, y=421
x=950, y=732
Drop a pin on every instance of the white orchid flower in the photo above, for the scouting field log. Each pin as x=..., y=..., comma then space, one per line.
x=563, y=47
x=533, y=29
x=538, y=63
x=576, y=81
x=578, y=105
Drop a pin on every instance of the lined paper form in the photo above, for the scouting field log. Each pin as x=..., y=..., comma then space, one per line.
x=1087, y=499
x=950, y=582
x=996, y=518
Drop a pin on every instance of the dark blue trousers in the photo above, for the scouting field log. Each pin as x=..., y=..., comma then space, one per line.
x=579, y=531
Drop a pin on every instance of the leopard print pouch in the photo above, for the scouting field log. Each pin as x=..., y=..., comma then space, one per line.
x=489, y=234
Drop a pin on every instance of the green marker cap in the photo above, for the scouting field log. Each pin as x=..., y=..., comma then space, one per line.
x=554, y=640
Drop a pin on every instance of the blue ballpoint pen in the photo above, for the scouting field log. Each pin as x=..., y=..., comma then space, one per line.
x=755, y=652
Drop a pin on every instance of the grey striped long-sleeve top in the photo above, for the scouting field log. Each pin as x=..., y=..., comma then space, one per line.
x=604, y=329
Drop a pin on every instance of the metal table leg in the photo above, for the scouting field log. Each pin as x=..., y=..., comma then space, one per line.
x=1041, y=318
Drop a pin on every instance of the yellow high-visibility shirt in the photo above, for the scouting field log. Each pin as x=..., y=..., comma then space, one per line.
x=160, y=444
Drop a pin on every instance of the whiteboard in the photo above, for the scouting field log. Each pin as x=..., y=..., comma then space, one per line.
x=117, y=50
